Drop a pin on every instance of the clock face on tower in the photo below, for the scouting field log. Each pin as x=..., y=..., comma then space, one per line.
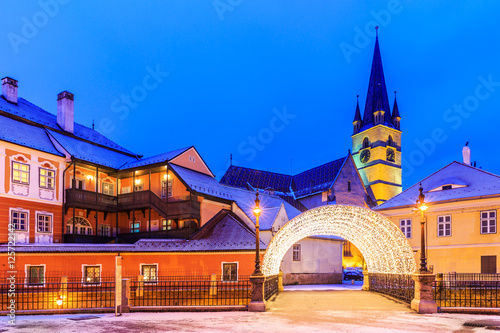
x=365, y=156
x=391, y=156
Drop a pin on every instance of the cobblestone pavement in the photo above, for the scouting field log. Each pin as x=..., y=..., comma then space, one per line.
x=293, y=311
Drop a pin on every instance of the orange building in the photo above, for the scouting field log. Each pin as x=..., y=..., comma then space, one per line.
x=65, y=184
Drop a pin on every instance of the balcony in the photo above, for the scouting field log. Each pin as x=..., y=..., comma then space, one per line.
x=187, y=208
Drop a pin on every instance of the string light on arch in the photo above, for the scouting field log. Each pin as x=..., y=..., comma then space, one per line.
x=381, y=242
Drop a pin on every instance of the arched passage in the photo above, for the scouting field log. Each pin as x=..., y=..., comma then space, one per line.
x=382, y=244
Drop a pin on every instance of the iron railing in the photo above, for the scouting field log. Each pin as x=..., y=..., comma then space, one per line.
x=467, y=293
x=400, y=286
x=56, y=295
x=470, y=277
x=271, y=286
x=190, y=291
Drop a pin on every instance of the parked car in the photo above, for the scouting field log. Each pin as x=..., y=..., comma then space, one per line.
x=353, y=275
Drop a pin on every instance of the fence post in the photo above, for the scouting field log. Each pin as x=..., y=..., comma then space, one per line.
x=118, y=284
x=366, y=280
x=125, y=307
x=424, y=299
x=139, y=292
x=280, y=282
x=213, y=285
x=257, y=298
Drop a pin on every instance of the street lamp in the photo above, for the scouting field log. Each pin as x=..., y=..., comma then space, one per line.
x=256, y=212
x=422, y=206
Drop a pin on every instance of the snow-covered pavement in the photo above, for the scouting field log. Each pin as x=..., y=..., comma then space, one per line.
x=294, y=311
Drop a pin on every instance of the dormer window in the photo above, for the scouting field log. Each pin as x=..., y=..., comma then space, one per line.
x=446, y=187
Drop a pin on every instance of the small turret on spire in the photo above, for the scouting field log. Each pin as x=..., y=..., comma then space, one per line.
x=357, y=122
x=396, y=118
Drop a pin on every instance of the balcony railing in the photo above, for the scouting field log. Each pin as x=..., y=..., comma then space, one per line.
x=183, y=209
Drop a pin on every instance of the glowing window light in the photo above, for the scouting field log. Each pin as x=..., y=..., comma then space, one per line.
x=381, y=242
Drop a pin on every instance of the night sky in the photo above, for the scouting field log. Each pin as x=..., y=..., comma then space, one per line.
x=273, y=83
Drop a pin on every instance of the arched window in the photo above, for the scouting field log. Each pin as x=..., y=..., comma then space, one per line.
x=82, y=226
x=366, y=143
x=390, y=141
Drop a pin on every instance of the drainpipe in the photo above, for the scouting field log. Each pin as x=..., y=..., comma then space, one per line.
x=64, y=201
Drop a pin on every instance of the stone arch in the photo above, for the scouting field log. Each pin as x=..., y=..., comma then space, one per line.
x=383, y=245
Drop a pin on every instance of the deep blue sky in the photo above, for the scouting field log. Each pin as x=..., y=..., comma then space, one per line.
x=226, y=76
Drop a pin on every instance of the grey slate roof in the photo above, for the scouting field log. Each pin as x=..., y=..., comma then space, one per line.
x=245, y=199
x=479, y=183
x=228, y=233
x=36, y=114
x=155, y=159
x=315, y=180
x=91, y=153
x=26, y=135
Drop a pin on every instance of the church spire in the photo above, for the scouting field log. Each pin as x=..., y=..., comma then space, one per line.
x=376, y=98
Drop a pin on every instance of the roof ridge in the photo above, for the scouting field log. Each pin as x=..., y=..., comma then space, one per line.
x=319, y=166
x=276, y=173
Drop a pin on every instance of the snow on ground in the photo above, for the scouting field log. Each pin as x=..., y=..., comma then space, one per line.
x=298, y=311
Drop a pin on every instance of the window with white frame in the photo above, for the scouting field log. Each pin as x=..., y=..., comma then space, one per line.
x=405, y=226
x=91, y=274
x=139, y=187
x=44, y=223
x=108, y=188
x=20, y=173
x=35, y=275
x=19, y=220
x=489, y=222
x=444, y=225
x=166, y=188
x=47, y=178
x=135, y=227
x=149, y=272
x=105, y=230
x=230, y=271
x=296, y=252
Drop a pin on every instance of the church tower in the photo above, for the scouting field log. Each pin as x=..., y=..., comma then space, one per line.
x=376, y=140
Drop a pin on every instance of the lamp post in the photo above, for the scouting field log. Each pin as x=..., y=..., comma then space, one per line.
x=256, y=212
x=422, y=206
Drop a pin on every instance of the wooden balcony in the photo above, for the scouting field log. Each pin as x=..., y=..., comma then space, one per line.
x=181, y=209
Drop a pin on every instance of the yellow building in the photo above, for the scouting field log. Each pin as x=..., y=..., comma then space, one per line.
x=461, y=229
x=376, y=139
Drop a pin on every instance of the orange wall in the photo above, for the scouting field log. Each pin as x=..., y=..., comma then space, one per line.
x=32, y=206
x=180, y=263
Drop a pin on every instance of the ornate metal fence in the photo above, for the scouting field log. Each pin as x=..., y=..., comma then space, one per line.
x=271, y=286
x=399, y=286
x=190, y=291
x=467, y=290
x=51, y=295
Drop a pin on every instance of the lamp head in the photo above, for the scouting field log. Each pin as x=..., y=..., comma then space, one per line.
x=257, y=210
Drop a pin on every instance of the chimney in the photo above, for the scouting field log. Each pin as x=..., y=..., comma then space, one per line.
x=9, y=89
x=466, y=154
x=65, y=111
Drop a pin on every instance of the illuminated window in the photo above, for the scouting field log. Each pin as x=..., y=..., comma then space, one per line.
x=166, y=224
x=139, y=187
x=20, y=173
x=44, y=223
x=489, y=222
x=149, y=272
x=230, y=271
x=135, y=227
x=108, y=189
x=36, y=275
x=444, y=226
x=19, y=220
x=92, y=274
x=296, y=252
x=405, y=226
x=47, y=178
x=166, y=188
